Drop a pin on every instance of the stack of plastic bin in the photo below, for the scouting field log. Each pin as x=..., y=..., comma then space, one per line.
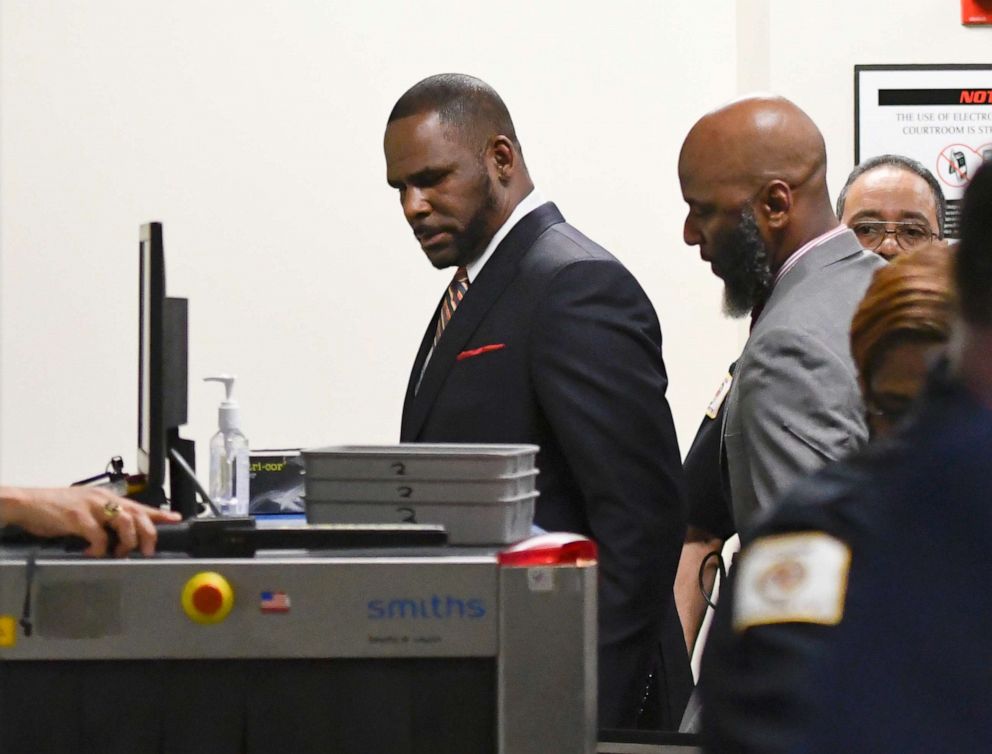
x=482, y=494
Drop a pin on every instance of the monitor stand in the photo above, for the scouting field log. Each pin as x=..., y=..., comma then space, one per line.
x=182, y=488
x=182, y=485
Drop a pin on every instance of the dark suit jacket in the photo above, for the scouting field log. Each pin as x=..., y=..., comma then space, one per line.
x=580, y=374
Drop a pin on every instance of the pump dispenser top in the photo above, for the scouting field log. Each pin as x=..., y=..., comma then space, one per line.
x=228, y=414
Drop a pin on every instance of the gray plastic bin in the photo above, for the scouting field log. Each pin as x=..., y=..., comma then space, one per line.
x=419, y=461
x=427, y=490
x=499, y=522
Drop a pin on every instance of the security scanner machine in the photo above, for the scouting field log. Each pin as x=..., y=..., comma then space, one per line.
x=376, y=649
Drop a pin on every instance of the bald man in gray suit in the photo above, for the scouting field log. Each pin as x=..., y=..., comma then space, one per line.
x=754, y=176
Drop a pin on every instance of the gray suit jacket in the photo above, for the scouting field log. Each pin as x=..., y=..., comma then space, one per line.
x=795, y=403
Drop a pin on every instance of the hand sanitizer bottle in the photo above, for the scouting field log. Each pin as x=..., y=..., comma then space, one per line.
x=229, y=456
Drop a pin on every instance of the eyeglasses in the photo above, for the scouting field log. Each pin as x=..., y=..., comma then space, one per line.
x=909, y=235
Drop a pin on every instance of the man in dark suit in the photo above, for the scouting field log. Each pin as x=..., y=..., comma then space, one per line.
x=544, y=337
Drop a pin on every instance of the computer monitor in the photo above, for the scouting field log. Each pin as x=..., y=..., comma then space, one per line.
x=162, y=380
x=151, y=302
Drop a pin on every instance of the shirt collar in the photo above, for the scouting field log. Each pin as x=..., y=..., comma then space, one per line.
x=528, y=204
x=793, y=260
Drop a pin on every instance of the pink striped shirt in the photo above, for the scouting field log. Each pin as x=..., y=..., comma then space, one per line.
x=794, y=259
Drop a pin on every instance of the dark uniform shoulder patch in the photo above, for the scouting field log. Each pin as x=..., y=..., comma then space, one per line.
x=792, y=578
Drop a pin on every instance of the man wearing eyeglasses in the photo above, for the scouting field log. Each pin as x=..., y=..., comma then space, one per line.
x=893, y=204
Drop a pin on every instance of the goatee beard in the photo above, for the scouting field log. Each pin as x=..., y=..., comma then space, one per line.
x=748, y=279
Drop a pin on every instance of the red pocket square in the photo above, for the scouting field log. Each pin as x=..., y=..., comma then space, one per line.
x=479, y=351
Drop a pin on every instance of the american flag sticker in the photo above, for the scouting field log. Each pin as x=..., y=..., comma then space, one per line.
x=274, y=602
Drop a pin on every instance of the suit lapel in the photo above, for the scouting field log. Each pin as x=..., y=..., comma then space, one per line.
x=482, y=294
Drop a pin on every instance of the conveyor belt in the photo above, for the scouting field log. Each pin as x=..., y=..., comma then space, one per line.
x=621, y=748
x=647, y=742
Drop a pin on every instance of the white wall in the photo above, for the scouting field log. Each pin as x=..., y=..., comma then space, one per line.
x=253, y=131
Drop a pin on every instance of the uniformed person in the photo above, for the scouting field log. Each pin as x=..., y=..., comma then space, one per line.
x=710, y=518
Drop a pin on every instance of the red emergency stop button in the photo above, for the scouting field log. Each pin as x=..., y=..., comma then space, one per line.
x=207, y=597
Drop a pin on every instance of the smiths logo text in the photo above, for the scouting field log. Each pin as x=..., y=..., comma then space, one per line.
x=435, y=607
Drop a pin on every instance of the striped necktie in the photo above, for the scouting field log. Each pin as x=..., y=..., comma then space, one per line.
x=452, y=297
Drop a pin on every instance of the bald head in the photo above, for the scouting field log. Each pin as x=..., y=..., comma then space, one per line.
x=755, y=140
x=758, y=163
